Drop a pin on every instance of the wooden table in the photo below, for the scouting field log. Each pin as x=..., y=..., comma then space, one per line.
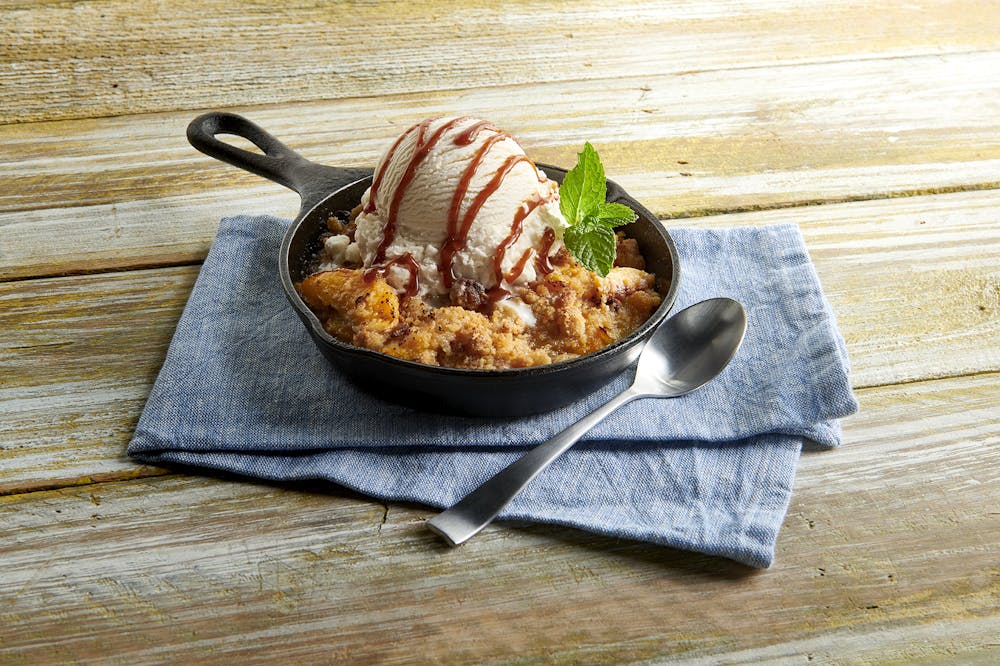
x=875, y=127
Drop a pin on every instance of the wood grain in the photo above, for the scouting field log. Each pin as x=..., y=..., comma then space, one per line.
x=914, y=283
x=130, y=191
x=888, y=554
x=78, y=60
x=885, y=114
x=76, y=372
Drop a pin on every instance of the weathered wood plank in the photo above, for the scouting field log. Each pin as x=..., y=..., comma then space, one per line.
x=915, y=284
x=124, y=235
x=77, y=360
x=77, y=60
x=888, y=554
x=130, y=191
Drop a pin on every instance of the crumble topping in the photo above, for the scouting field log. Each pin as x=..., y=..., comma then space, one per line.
x=563, y=314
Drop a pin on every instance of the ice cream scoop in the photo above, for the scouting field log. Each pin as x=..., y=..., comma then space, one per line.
x=456, y=205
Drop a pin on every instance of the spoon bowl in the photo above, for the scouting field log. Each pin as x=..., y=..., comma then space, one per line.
x=690, y=349
x=684, y=353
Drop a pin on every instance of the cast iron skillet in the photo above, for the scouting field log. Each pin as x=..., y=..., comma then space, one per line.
x=326, y=190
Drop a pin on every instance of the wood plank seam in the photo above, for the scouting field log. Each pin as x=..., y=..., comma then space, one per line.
x=806, y=203
x=802, y=63
x=143, y=266
x=430, y=91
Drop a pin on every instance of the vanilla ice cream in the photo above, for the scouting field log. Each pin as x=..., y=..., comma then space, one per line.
x=456, y=203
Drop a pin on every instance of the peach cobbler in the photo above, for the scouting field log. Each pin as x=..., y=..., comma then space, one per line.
x=459, y=256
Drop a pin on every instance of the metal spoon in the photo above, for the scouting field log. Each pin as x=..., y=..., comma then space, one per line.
x=686, y=352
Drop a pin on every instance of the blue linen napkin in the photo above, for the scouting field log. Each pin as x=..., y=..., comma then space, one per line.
x=243, y=389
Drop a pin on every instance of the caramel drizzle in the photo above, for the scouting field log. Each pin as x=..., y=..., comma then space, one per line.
x=472, y=131
x=516, y=227
x=498, y=292
x=457, y=241
x=458, y=225
x=542, y=264
x=518, y=268
x=420, y=151
x=458, y=231
x=377, y=180
x=406, y=261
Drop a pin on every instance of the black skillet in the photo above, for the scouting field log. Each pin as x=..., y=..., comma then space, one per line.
x=326, y=190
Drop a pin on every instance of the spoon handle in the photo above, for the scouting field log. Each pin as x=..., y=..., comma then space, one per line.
x=478, y=509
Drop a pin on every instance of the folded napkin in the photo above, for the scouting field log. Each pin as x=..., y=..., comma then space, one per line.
x=244, y=389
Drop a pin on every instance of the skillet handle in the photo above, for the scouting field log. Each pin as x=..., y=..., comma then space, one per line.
x=279, y=163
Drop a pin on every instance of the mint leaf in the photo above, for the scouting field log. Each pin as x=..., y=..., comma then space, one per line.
x=615, y=215
x=584, y=187
x=593, y=245
x=590, y=236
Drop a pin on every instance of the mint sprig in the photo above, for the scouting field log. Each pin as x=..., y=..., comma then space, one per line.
x=590, y=236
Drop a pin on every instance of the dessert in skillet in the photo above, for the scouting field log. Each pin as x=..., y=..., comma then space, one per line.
x=463, y=254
